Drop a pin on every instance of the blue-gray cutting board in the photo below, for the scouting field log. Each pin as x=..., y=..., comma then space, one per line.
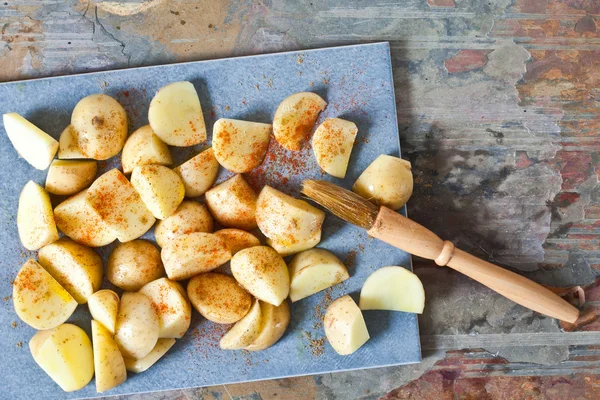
x=356, y=81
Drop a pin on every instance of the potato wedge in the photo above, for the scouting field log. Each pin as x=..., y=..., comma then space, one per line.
x=245, y=331
x=286, y=220
x=189, y=217
x=240, y=146
x=68, y=148
x=65, y=354
x=199, y=173
x=218, y=297
x=76, y=218
x=388, y=181
x=108, y=361
x=67, y=177
x=393, y=288
x=137, y=326
x=118, y=204
x=262, y=271
x=133, y=264
x=275, y=321
x=33, y=144
x=174, y=311
x=35, y=218
x=345, y=326
x=314, y=270
x=287, y=249
x=237, y=239
x=233, y=203
x=104, y=307
x=159, y=187
x=192, y=254
x=143, y=147
x=295, y=118
x=77, y=268
x=175, y=115
x=142, y=364
x=39, y=300
x=332, y=144
x=101, y=126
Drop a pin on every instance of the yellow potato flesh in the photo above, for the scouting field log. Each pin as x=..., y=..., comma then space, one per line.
x=67, y=177
x=189, y=217
x=240, y=146
x=275, y=321
x=142, y=364
x=33, y=144
x=104, y=307
x=245, y=331
x=287, y=249
x=314, y=270
x=233, y=203
x=108, y=361
x=199, y=173
x=393, y=288
x=332, y=144
x=295, y=118
x=160, y=188
x=35, y=218
x=143, y=147
x=237, y=239
x=172, y=307
x=345, y=326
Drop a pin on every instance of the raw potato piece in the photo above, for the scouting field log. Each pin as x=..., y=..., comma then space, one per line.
x=314, y=270
x=189, y=217
x=67, y=177
x=35, y=219
x=175, y=115
x=117, y=203
x=133, y=264
x=77, y=268
x=262, y=271
x=33, y=144
x=192, y=254
x=104, y=307
x=160, y=188
x=108, y=361
x=289, y=249
x=275, y=321
x=198, y=173
x=101, y=126
x=67, y=145
x=38, y=298
x=233, y=203
x=393, y=288
x=295, y=118
x=388, y=181
x=240, y=146
x=218, y=297
x=142, y=364
x=76, y=218
x=172, y=307
x=345, y=326
x=137, y=325
x=65, y=354
x=245, y=331
x=332, y=144
x=237, y=239
x=143, y=147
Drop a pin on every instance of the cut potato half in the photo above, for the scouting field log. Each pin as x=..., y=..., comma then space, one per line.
x=275, y=321
x=67, y=177
x=67, y=144
x=108, y=361
x=199, y=173
x=345, y=326
x=33, y=144
x=142, y=364
x=174, y=311
x=133, y=264
x=159, y=187
x=189, y=217
x=287, y=249
x=240, y=146
x=237, y=239
x=137, y=326
x=104, y=307
x=143, y=147
x=393, y=288
x=192, y=254
x=35, y=218
x=233, y=203
x=295, y=118
x=332, y=144
x=314, y=270
x=245, y=331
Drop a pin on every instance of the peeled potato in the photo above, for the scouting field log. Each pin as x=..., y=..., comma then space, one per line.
x=104, y=307
x=143, y=147
x=33, y=144
x=193, y=253
x=35, y=218
x=189, y=217
x=108, y=361
x=295, y=118
x=240, y=146
x=393, y=288
x=118, y=204
x=218, y=297
x=237, y=239
x=76, y=218
x=314, y=270
x=198, y=173
x=245, y=331
x=65, y=354
x=137, y=325
x=332, y=144
x=67, y=177
x=175, y=115
x=159, y=187
x=262, y=271
x=388, y=181
x=285, y=249
x=169, y=299
x=133, y=264
x=275, y=321
x=67, y=144
x=142, y=364
x=77, y=268
x=345, y=326
x=101, y=126
x=233, y=203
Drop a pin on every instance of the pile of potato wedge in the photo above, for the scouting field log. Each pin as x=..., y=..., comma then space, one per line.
x=159, y=284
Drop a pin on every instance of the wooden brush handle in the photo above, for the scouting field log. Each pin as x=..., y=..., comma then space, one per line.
x=413, y=238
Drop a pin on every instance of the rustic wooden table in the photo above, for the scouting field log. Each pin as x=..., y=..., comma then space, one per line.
x=498, y=109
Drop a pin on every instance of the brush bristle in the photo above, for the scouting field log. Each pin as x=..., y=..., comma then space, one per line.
x=341, y=202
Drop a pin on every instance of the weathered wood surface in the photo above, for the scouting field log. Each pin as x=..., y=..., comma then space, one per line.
x=498, y=109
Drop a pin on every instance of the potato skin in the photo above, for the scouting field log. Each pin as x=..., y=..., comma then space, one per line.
x=143, y=147
x=198, y=173
x=137, y=327
x=233, y=203
x=275, y=321
x=189, y=217
x=237, y=239
x=295, y=118
x=133, y=264
x=67, y=177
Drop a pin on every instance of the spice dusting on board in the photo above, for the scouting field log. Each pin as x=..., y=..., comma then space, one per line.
x=207, y=336
x=316, y=346
x=321, y=308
